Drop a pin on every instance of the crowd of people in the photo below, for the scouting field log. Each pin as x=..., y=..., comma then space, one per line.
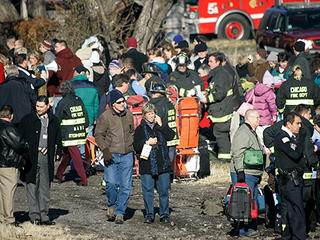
x=52, y=99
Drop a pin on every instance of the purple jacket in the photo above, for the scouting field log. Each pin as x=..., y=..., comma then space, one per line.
x=263, y=101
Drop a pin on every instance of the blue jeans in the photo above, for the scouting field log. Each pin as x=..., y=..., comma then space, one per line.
x=162, y=182
x=252, y=182
x=118, y=178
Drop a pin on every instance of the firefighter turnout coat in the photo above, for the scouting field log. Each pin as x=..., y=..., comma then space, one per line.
x=73, y=119
x=294, y=92
x=220, y=94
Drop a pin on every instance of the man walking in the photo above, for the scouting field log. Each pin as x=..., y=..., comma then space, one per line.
x=74, y=122
x=41, y=130
x=114, y=135
x=11, y=148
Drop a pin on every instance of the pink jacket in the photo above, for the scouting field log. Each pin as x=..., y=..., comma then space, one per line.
x=263, y=101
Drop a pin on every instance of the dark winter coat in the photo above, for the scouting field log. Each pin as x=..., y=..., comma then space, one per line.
x=220, y=95
x=302, y=61
x=197, y=63
x=30, y=128
x=294, y=92
x=30, y=78
x=185, y=81
x=101, y=79
x=11, y=146
x=74, y=121
x=18, y=94
x=67, y=61
x=138, y=58
x=115, y=132
x=158, y=161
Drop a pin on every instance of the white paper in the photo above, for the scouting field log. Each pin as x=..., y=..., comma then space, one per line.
x=145, y=151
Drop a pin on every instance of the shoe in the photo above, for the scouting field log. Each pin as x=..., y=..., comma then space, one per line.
x=82, y=184
x=111, y=214
x=119, y=219
x=165, y=219
x=148, y=219
x=57, y=180
x=35, y=222
x=48, y=223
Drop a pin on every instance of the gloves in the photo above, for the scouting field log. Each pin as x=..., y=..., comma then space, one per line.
x=241, y=176
x=107, y=156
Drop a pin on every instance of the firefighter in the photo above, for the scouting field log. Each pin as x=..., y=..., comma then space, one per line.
x=220, y=105
x=290, y=164
x=184, y=79
x=297, y=90
x=167, y=113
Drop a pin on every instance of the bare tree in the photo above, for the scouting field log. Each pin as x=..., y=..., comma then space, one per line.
x=37, y=8
x=148, y=24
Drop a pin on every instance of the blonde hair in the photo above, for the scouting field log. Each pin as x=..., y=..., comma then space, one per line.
x=297, y=72
x=148, y=107
x=4, y=60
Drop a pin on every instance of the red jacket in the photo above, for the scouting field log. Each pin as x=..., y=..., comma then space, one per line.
x=1, y=73
x=67, y=61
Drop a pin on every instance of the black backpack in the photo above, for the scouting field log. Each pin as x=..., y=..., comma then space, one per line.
x=241, y=206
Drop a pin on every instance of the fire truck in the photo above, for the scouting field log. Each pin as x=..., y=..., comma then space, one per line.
x=231, y=19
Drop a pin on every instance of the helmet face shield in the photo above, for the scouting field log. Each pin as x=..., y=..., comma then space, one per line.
x=182, y=59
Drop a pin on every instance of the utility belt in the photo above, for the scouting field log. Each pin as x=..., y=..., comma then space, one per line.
x=294, y=175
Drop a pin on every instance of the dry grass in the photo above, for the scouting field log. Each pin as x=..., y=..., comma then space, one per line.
x=29, y=231
x=233, y=48
x=220, y=174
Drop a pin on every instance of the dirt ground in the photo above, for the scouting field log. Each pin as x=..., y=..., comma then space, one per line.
x=82, y=210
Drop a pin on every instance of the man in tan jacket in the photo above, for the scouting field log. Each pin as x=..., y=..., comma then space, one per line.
x=114, y=135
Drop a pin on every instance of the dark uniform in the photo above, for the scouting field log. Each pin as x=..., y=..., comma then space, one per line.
x=220, y=108
x=309, y=159
x=185, y=81
x=289, y=161
x=294, y=92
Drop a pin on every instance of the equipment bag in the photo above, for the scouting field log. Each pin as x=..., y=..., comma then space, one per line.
x=253, y=159
x=241, y=207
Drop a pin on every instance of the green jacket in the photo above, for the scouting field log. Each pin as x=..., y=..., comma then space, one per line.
x=88, y=93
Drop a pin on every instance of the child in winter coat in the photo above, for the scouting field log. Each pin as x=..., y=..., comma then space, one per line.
x=263, y=99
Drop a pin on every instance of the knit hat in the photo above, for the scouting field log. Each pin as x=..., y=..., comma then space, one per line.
x=273, y=57
x=178, y=38
x=183, y=44
x=131, y=42
x=114, y=64
x=308, y=43
x=299, y=46
x=201, y=47
x=114, y=95
x=46, y=45
x=263, y=53
x=80, y=69
x=95, y=57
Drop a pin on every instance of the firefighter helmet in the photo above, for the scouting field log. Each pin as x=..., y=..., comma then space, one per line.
x=182, y=59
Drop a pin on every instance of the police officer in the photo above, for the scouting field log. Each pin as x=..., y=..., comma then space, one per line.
x=309, y=157
x=297, y=90
x=219, y=96
x=167, y=113
x=184, y=79
x=288, y=154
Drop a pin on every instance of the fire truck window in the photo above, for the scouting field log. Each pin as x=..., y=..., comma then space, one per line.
x=272, y=22
x=280, y=23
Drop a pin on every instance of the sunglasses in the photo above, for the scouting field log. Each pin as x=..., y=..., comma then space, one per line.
x=119, y=102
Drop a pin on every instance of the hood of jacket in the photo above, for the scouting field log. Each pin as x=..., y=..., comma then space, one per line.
x=261, y=89
x=65, y=53
x=80, y=77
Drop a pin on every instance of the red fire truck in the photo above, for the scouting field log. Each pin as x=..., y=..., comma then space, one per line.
x=233, y=19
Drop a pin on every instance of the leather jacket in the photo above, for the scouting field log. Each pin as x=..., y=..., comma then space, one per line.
x=11, y=146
